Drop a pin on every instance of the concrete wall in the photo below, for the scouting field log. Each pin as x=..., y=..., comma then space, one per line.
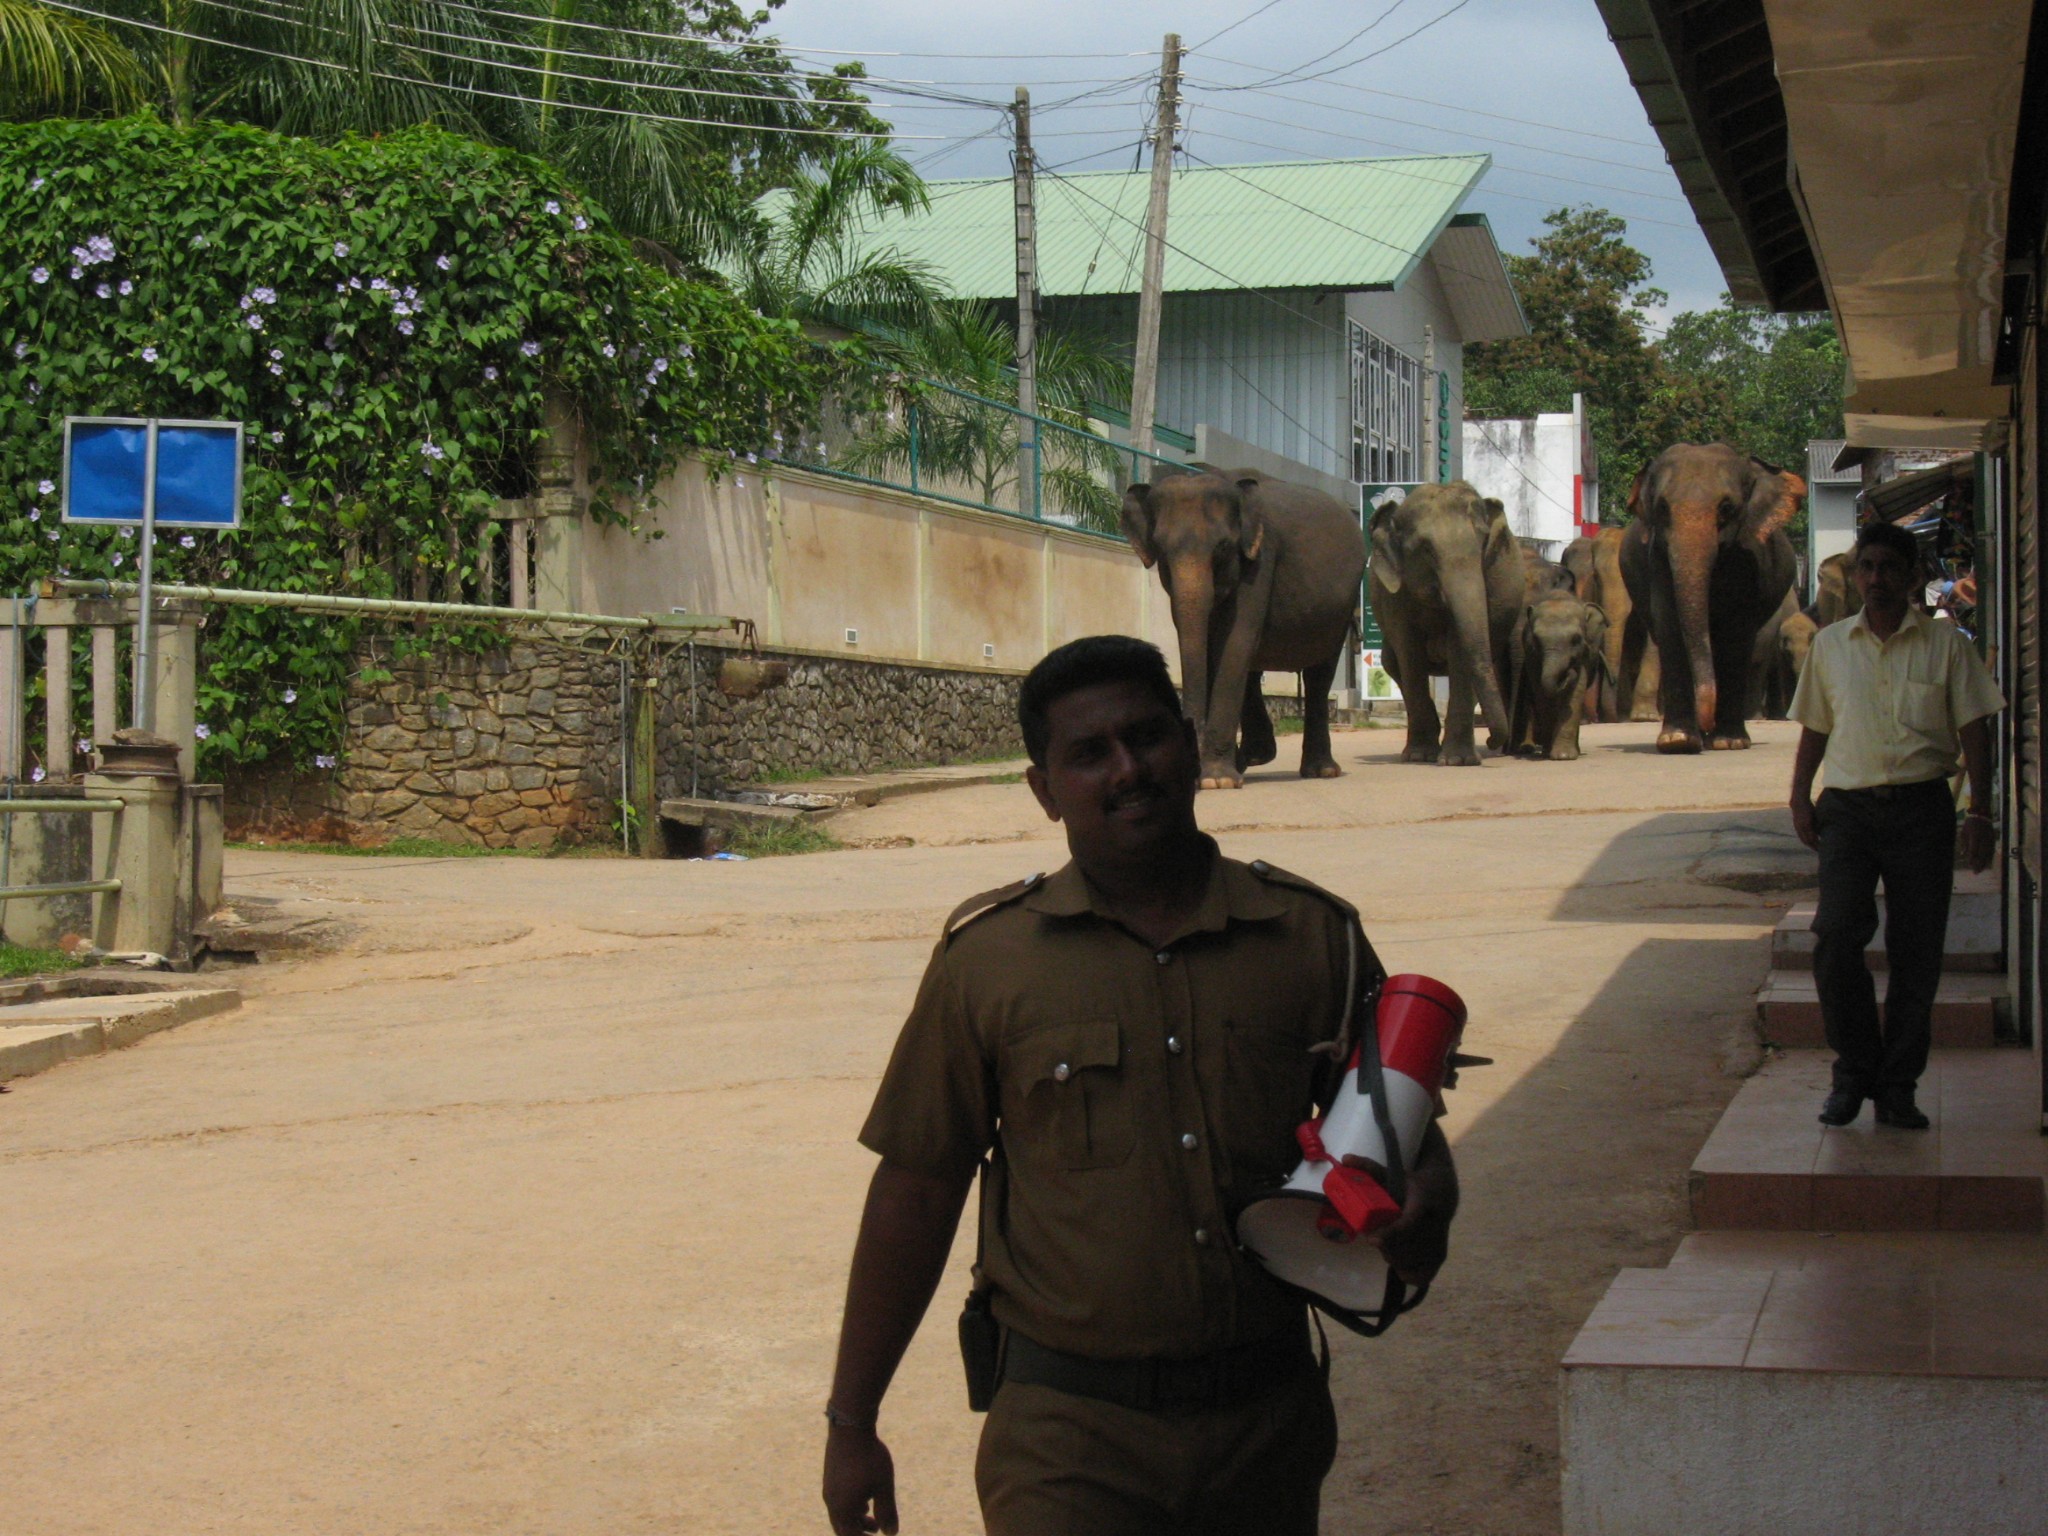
x=809, y=558
x=1830, y=525
x=1527, y=463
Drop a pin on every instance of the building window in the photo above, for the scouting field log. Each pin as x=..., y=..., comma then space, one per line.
x=1386, y=412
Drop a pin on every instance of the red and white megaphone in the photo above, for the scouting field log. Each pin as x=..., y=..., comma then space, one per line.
x=1307, y=1233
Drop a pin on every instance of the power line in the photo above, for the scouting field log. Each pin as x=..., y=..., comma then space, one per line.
x=1290, y=76
x=1354, y=37
x=455, y=88
x=1448, y=106
x=1248, y=16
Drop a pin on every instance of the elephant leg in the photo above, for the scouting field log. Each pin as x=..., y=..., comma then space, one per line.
x=1227, y=692
x=1681, y=732
x=1459, y=749
x=1635, y=638
x=1255, y=743
x=1413, y=680
x=1317, y=760
x=1564, y=746
x=1732, y=677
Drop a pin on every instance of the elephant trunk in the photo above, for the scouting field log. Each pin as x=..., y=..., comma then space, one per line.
x=1465, y=594
x=1695, y=541
x=1194, y=598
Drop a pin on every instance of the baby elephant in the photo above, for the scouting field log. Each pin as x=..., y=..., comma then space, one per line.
x=1559, y=649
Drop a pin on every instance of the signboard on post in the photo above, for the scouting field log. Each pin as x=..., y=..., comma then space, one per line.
x=1373, y=681
x=129, y=471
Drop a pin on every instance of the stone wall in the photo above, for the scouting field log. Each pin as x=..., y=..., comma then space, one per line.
x=519, y=747
x=832, y=716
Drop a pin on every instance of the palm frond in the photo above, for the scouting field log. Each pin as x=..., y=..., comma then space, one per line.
x=55, y=61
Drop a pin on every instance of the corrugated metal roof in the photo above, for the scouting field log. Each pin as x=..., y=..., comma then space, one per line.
x=1332, y=224
x=1475, y=278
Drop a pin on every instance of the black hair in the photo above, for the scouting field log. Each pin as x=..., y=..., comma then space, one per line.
x=1084, y=663
x=1883, y=535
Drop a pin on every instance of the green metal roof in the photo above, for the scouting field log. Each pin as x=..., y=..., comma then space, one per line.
x=1342, y=225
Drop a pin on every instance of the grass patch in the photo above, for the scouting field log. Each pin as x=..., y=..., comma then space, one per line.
x=16, y=960
x=775, y=840
x=1007, y=778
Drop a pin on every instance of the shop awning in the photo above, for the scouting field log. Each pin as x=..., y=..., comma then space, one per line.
x=1909, y=493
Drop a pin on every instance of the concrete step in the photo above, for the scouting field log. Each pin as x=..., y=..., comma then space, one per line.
x=1771, y=1165
x=57, y=1019
x=1743, y=1388
x=1966, y=1008
x=1976, y=940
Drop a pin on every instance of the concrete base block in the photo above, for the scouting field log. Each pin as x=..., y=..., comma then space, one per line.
x=1703, y=1452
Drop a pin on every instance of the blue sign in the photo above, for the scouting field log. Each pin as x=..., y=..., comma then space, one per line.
x=172, y=474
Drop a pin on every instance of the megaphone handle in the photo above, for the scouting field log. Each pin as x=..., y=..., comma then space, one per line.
x=1372, y=1080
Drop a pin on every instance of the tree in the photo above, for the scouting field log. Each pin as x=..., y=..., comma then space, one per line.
x=1764, y=383
x=55, y=61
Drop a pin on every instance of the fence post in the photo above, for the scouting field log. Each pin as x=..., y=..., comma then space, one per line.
x=13, y=711
x=57, y=703
x=646, y=804
x=106, y=683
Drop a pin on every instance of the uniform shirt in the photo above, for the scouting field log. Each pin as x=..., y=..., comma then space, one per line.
x=1142, y=1094
x=1891, y=709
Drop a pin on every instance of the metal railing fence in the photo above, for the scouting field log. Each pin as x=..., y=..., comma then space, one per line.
x=935, y=440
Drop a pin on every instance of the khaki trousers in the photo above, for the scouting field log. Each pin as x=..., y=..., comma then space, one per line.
x=1055, y=1464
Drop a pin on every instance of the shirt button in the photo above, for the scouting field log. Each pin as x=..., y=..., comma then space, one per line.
x=1164, y=957
x=1173, y=1044
x=1062, y=1072
x=1202, y=1237
x=1187, y=1142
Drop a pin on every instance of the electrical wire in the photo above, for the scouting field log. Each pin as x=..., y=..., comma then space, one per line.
x=1507, y=458
x=1448, y=106
x=455, y=88
x=1290, y=76
x=1249, y=16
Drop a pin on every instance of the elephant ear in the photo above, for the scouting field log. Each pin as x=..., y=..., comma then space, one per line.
x=1774, y=499
x=1385, y=562
x=1499, y=539
x=1137, y=521
x=1251, y=524
x=1635, y=494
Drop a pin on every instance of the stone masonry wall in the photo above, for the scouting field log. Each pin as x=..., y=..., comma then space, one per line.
x=519, y=747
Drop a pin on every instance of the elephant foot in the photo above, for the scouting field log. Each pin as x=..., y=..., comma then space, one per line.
x=1678, y=742
x=1221, y=776
x=1419, y=755
x=1460, y=757
x=1564, y=754
x=1720, y=743
x=1321, y=768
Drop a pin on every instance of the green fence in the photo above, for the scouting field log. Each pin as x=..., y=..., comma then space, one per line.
x=934, y=440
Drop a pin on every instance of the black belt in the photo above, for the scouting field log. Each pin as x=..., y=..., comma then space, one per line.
x=1209, y=1381
x=1895, y=791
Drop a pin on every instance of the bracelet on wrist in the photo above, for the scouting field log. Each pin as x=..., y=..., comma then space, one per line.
x=839, y=1420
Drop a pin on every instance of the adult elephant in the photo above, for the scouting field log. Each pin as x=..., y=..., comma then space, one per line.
x=1447, y=585
x=1595, y=564
x=1770, y=695
x=1706, y=562
x=1835, y=596
x=1260, y=575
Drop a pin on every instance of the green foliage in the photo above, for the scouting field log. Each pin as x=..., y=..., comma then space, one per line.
x=1765, y=383
x=16, y=960
x=773, y=840
x=391, y=320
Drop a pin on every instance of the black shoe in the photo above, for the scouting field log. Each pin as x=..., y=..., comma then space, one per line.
x=1898, y=1111
x=1842, y=1106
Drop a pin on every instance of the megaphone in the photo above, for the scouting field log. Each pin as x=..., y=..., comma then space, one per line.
x=1308, y=1233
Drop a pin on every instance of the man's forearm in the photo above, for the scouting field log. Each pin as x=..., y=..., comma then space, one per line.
x=906, y=1232
x=1813, y=746
x=1976, y=739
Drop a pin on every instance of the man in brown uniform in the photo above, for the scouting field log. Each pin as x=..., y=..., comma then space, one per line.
x=1133, y=1037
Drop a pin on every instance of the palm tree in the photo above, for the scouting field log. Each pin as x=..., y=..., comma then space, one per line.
x=969, y=437
x=57, y=61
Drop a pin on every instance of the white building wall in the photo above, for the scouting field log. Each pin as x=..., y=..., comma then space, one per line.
x=1528, y=463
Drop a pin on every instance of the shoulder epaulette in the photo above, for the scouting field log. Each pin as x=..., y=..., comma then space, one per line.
x=1273, y=875
x=988, y=901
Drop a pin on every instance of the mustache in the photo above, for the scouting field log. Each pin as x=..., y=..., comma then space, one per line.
x=1136, y=795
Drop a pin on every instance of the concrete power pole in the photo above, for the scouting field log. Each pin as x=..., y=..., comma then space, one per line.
x=1145, y=372
x=1027, y=308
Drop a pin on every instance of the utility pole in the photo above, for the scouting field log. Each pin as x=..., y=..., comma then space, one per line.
x=1145, y=372
x=1027, y=308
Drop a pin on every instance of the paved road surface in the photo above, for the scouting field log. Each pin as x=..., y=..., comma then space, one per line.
x=530, y=1212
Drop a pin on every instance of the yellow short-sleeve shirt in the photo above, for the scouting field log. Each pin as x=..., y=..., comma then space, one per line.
x=1892, y=710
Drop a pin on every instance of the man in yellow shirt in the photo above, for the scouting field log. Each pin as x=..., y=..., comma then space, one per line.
x=1887, y=699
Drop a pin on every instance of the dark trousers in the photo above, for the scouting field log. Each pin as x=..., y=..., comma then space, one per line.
x=1907, y=836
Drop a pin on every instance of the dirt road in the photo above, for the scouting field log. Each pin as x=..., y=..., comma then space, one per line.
x=530, y=1213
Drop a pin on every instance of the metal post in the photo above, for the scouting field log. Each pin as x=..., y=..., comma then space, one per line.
x=144, y=688
x=1151, y=296
x=1027, y=308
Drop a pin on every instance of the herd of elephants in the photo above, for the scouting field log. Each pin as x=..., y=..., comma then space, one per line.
x=1689, y=615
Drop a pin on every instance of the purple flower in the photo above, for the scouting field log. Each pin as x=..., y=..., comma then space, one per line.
x=84, y=745
x=149, y=354
x=188, y=542
x=552, y=206
x=36, y=774
x=341, y=250
x=36, y=185
x=264, y=295
x=127, y=535
x=378, y=285
x=126, y=287
x=355, y=282
x=35, y=514
x=277, y=437
x=581, y=222
x=291, y=696
x=77, y=273
x=21, y=349
x=433, y=450
x=285, y=500
x=277, y=368
x=202, y=731
x=46, y=487
x=688, y=350
x=39, y=275
x=530, y=348
x=53, y=539
x=341, y=287
x=610, y=350
x=255, y=322
x=324, y=760
x=247, y=301
x=104, y=291
x=661, y=365
x=443, y=263
x=490, y=374
x=405, y=327
x=118, y=557
x=277, y=354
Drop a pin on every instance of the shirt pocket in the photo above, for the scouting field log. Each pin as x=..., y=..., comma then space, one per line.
x=1075, y=1100
x=1923, y=707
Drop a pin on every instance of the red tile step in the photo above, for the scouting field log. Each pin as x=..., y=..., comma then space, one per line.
x=1770, y=1165
x=1966, y=1010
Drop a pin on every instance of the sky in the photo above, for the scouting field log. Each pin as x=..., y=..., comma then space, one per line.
x=1580, y=134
